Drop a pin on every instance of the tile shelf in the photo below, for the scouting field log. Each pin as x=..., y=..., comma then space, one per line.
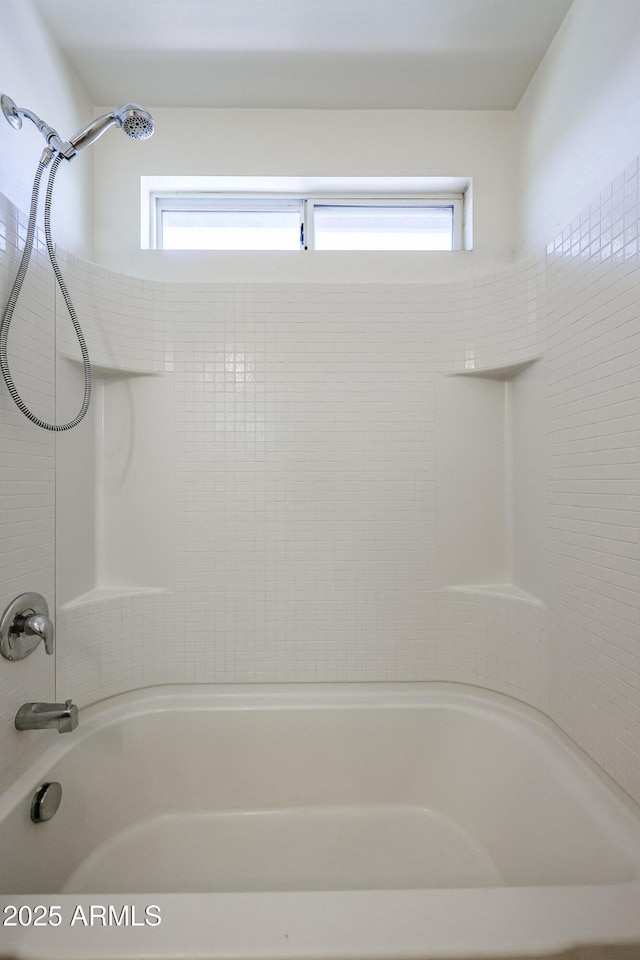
x=504, y=372
x=112, y=369
x=105, y=594
x=504, y=591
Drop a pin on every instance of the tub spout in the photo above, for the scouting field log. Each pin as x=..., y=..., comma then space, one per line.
x=62, y=717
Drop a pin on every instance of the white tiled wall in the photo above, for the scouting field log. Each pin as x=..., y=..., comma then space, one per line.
x=594, y=479
x=301, y=525
x=27, y=478
x=294, y=495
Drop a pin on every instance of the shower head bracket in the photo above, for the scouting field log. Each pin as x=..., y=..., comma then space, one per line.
x=10, y=112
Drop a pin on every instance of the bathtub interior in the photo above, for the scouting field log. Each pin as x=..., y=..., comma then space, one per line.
x=269, y=791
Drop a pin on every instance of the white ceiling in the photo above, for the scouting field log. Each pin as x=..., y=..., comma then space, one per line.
x=439, y=54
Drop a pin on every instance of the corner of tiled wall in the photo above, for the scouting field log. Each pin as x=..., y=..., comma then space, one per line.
x=593, y=269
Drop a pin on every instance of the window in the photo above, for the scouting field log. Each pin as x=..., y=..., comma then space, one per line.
x=383, y=225
x=208, y=223
x=315, y=220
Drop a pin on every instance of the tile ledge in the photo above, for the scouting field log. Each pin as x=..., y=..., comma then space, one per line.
x=504, y=371
x=115, y=369
x=102, y=594
x=506, y=591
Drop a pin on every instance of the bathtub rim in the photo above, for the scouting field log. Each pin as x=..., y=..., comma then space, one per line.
x=520, y=923
x=43, y=754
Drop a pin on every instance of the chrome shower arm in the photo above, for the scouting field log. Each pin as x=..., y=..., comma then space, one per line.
x=14, y=115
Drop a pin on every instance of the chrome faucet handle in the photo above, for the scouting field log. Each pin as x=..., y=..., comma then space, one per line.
x=24, y=623
x=39, y=625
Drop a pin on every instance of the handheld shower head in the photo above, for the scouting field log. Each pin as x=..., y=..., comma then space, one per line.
x=136, y=121
x=132, y=118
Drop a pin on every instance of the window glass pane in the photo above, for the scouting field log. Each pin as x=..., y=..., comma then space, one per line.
x=231, y=229
x=359, y=227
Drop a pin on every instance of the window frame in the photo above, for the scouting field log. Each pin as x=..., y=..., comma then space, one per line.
x=161, y=200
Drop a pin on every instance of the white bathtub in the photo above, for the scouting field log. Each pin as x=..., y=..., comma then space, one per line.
x=347, y=821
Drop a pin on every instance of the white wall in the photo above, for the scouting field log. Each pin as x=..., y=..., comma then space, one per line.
x=579, y=145
x=579, y=121
x=27, y=479
x=267, y=494
x=404, y=143
x=593, y=452
x=35, y=75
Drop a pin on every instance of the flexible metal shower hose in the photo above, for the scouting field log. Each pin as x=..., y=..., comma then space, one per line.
x=15, y=293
